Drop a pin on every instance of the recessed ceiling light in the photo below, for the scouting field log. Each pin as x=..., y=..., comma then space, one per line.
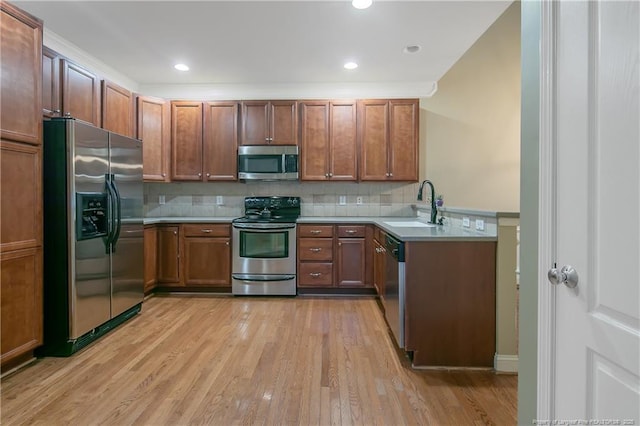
x=181, y=67
x=351, y=65
x=361, y=4
x=412, y=49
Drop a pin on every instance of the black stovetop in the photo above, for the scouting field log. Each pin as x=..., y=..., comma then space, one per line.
x=270, y=210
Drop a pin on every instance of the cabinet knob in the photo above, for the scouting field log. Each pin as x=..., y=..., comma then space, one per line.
x=175, y=232
x=330, y=174
x=315, y=231
x=227, y=242
x=326, y=175
x=315, y=274
x=56, y=111
x=67, y=114
x=199, y=174
x=208, y=174
x=390, y=174
x=315, y=249
x=164, y=175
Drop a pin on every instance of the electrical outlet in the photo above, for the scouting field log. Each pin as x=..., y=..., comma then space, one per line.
x=219, y=200
x=342, y=200
x=479, y=225
x=161, y=199
x=466, y=222
x=358, y=200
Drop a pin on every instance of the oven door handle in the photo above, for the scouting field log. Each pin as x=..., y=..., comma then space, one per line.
x=264, y=228
x=261, y=278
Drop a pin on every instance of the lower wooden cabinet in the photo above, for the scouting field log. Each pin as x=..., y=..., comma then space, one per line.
x=207, y=255
x=21, y=313
x=169, y=255
x=150, y=258
x=335, y=256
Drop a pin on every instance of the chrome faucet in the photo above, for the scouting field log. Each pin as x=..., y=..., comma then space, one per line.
x=434, y=211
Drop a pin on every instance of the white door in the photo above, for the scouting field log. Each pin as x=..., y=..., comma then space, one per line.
x=590, y=214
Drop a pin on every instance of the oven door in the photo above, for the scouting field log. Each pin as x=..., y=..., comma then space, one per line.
x=264, y=249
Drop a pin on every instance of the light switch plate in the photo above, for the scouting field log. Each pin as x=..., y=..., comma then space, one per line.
x=342, y=200
x=479, y=225
x=161, y=199
x=219, y=200
x=358, y=200
x=466, y=222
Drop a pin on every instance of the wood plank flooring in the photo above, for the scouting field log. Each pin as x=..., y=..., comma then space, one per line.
x=224, y=361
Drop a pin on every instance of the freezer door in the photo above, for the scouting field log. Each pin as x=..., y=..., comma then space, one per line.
x=127, y=257
x=90, y=292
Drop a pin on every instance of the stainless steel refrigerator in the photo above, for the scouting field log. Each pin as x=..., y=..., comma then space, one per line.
x=93, y=233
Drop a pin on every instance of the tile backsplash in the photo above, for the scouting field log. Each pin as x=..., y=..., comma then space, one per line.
x=225, y=199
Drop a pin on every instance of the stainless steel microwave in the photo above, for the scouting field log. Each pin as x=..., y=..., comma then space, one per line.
x=268, y=162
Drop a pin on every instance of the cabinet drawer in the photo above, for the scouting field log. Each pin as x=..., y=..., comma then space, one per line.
x=315, y=230
x=355, y=231
x=316, y=274
x=206, y=230
x=315, y=249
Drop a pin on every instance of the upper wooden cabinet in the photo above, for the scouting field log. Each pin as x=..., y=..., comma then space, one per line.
x=388, y=133
x=329, y=140
x=269, y=123
x=80, y=93
x=50, y=83
x=186, y=140
x=204, y=140
x=154, y=129
x=220, y=141
x=117, y=109
x=21, y=76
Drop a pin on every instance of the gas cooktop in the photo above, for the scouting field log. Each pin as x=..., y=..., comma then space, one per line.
x=274, y=209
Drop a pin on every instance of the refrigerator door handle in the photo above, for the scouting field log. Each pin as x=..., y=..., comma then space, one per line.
x=118, y=210
x=110, y=213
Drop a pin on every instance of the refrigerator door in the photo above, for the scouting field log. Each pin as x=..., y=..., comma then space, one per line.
x=90, y=292
x=127, y=258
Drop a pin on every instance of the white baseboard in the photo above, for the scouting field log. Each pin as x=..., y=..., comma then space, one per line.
x=505, y=363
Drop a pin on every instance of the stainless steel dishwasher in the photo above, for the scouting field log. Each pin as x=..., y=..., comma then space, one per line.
x=394, y=287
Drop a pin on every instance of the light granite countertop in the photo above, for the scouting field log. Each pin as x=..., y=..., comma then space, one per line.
x=437, y=233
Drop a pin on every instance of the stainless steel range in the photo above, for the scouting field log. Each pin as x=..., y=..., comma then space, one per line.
x=264, y=247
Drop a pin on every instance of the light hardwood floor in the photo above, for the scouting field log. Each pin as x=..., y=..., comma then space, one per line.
x=223, y=361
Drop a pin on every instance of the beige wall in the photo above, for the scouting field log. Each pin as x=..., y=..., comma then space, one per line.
x=470, y=129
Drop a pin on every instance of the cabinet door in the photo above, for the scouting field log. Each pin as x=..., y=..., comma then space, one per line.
x=21, y=195
x=50, y=83
x=374, y=139
x=314, y=145
x=21, y=76
x=284, y=123
x=117, y=109
x=351, y=267
x=220, y=141
x=21, y=316
x=80, y=93
x=150, y=258
x=168, y=255
x=153, y=129
x=255, y=123
x=403, y=139
x=344, y=143
x=186, y=140
x=207, y=261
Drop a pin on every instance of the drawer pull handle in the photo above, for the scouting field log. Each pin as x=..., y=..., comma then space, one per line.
x=351, y=231
x=315, y=231
x=315, y=274
x=207, y=231
x=315, y=249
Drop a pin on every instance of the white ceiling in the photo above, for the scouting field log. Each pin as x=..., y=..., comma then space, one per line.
x=277, y=43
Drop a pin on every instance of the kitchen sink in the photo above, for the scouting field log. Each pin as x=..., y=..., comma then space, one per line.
x=410, y=224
